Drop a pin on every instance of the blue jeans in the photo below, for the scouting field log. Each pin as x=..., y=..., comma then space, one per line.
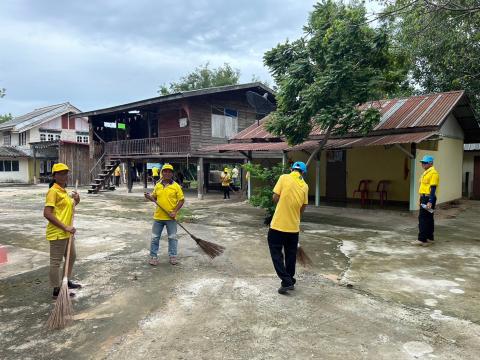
x=157, y=230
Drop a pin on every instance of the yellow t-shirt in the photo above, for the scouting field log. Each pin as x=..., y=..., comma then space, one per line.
x=117, y=171
x=225, y=179
x=154, y=171
x=293, y=192
x=62, y=204
x=168, y=198
x=429, y=178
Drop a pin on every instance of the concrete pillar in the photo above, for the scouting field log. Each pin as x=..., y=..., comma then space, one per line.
x=129, y=176
x=200, y=178
x=144, y=175
x=317, y=182
x=34, y=166
x=413, y=203
x=284, y=158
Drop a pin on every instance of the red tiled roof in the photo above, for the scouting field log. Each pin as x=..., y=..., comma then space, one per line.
x=401, y=113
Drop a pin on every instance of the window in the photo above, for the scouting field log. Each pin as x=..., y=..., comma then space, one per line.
x=49, y=165
x=85, y=139
x=50, y=137
x=7, y=165
x=22, y=138
x=64, y=121
x=43, y=137
x=7, y=139
x=57, y=137
x=71, y=123
x=224, y=122
x=79, y=138
x=15, y=165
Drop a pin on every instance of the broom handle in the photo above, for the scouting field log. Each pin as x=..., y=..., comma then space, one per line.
x=183, y=227
x=70, y=238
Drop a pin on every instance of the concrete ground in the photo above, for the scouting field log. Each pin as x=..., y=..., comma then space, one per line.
x=369, y=295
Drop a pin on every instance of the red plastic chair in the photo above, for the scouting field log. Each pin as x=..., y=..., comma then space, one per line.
x=363, y=191
x=382, y=190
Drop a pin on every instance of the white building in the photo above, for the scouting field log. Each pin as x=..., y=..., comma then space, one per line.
x=21, y=157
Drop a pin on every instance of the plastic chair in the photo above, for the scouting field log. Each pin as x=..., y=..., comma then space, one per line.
x=363, y=191
x=382, y=190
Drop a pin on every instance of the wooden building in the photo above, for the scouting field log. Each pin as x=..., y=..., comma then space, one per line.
x=171, y=129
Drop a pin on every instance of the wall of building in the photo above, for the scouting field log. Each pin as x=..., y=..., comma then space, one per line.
x=377, y=163
x=468, y=166
x=21, y=176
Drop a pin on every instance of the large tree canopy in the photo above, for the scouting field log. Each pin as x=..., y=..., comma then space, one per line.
x=442, y=41
x=4, y=117
x=203, y=77
x=340, y=62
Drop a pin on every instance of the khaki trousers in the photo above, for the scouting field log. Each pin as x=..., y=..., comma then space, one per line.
x=58, y=251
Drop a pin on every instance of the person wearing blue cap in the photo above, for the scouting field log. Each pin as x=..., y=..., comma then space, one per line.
x=291, y=196
x=428, y=197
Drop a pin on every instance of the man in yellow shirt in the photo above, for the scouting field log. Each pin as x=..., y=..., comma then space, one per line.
x=117, y=174
x=226, y=179
x=428, y=197
x=168, y=196
x=58, y=211
x=291, y=196
x=155, y=175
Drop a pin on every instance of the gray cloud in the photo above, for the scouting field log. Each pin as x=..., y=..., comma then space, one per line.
x=102, y=53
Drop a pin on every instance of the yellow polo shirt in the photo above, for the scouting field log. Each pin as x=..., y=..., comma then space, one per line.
x=429, y=178
x=155, y=171
x=62, y=204
x=293, y=192
x=117, y=171
x=225, y=179
x=168, y=198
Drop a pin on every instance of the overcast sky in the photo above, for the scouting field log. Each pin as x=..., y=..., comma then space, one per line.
x=108, y=52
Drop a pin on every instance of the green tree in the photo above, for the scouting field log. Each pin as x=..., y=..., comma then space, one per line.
x=339, y=63
x=203, y=77
x=441, y=39
x=5, y=117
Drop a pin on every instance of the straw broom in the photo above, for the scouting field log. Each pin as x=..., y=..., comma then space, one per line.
x=62, y=313
x=211, y=249
x=302, y=257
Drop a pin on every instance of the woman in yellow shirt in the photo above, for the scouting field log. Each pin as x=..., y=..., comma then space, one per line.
x=59, y=213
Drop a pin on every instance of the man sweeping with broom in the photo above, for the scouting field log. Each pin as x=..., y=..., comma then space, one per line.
x=168, y=196
x=291, y=196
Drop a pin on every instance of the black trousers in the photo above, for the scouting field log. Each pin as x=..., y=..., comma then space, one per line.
x=117, y=180
x=426, y=224
x=288, y=242
x=226, y=192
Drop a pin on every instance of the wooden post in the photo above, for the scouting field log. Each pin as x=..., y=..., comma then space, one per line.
x=200, y=178
x=129, y=176
x=284, y=158
x=145, y=175
x=249, y=181
x=317, y=181
x=34, y=166
x=413, y=204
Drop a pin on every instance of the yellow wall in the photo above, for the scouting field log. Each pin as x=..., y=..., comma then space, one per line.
x=448, y=162
x=377, y=163
x=30, y=170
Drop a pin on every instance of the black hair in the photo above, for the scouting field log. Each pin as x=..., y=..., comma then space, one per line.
x=50, y=184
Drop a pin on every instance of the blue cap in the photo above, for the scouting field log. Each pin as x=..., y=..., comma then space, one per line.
x=427, y=159
x=300, y=166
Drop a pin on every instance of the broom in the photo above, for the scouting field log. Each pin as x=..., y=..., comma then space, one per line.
x=211, y=249
x=62, y=313
x=302, y=257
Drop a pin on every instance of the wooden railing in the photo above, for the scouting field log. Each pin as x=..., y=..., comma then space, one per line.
x=170, y=144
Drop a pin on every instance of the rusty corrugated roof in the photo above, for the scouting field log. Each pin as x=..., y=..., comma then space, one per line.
x=344, y=143
x=400, y=113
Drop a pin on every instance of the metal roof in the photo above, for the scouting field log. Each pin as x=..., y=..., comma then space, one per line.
x=10, y=151
x=37, y=117
x=344, y=143
x=177, y=96
x=397, y=115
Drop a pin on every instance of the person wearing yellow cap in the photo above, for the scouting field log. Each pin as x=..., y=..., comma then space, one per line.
x=155, y=175
x=225, y=177
x=168, y=196
x=58, y=211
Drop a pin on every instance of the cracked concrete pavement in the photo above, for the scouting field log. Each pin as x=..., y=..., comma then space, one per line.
x=369, y=295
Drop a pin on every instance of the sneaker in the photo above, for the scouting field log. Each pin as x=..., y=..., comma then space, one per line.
x=56, y=291
x=420, y=243
x=72, y=285
x=153, y=261
x=173, y=260
x=432, y=241
x=284, y=289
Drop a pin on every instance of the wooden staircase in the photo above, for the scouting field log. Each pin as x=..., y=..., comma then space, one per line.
x=102, y=180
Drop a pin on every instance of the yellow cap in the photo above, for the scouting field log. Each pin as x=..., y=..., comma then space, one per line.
x=167, y=167
x=225, y=170
x=59, y=167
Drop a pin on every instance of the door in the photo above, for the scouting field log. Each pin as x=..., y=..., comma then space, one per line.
x=476, y=178
x=336, y=175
